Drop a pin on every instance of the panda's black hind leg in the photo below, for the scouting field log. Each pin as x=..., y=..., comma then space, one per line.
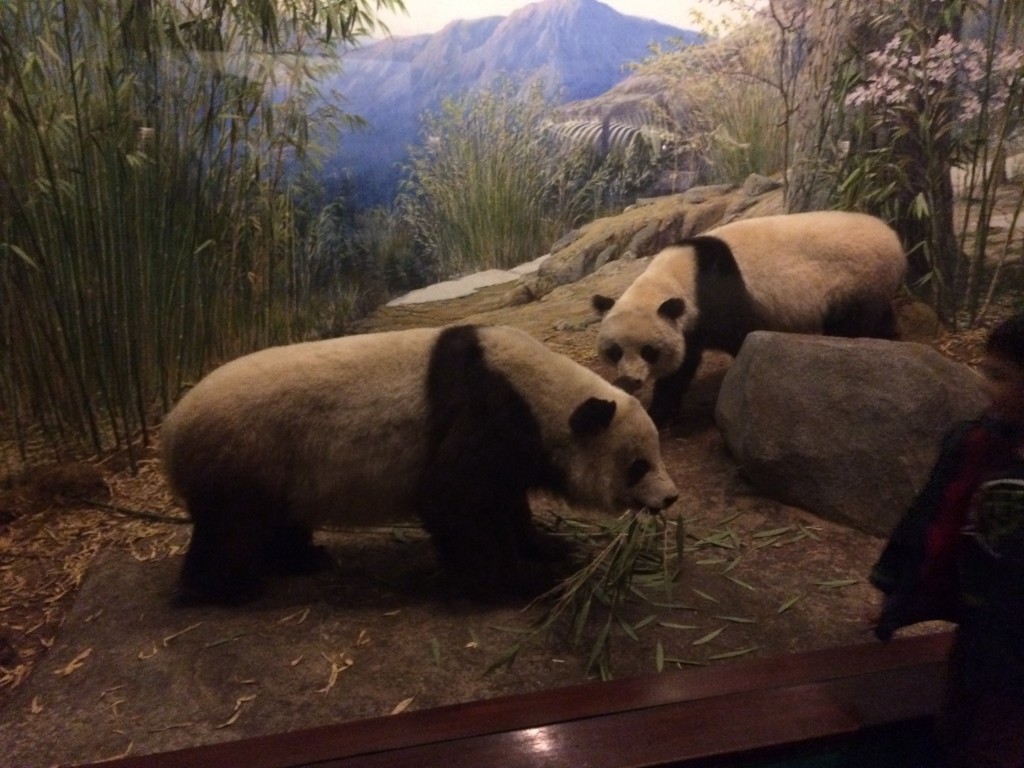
x=470, y=554
x=862, y=318
x=225, y=562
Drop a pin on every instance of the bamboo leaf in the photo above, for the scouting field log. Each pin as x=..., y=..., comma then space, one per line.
x=708, y=637
x=741, y=583
x=21, y=254
x=627, y=629
x=75, y=664
x=402, y=705
x=504, y=661
x=705, y=595
x=733, y=654
x=684, y=662
x=735, y=561
x=645, y=621
x=838, y=583
x=792, y=540
x=670, y=625
x=809, y=532
x=580, y=621
x=600, y=645
x=788, y=604
x=673, y=606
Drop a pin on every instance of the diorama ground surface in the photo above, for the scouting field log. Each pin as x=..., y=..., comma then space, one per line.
x=98, y=661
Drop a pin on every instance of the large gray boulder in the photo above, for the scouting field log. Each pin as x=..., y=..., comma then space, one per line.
x=844, y=428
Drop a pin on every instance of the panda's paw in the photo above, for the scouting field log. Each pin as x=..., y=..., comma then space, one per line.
x=291, y=552
x=313, y=560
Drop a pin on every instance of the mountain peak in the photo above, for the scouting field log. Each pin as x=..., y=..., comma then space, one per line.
x=562, y=9
x=579, y=48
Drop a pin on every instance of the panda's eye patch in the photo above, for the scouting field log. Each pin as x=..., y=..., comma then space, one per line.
x=650, y=354
x=613, y=352
x=636, y=472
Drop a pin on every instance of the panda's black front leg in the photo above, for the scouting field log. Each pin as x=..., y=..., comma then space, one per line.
x=475, y=555
x=490, y=544
x=668, y=392
x=534, y=545
x=538, y=559
x=468, y=516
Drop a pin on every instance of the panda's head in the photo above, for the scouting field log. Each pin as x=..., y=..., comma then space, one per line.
x=614, y=462
x=640, y=345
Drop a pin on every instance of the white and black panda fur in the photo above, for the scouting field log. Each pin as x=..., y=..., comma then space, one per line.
x=824, y=272
x=452, y=425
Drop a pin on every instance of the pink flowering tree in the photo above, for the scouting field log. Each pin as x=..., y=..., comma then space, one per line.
x=927, y=106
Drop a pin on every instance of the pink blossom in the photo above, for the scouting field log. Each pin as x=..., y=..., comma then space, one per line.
x=947, y=69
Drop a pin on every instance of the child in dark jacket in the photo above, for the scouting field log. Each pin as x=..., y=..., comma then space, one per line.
x=958, y=554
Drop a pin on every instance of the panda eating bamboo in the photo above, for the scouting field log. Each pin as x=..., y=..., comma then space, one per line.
x=452, y=425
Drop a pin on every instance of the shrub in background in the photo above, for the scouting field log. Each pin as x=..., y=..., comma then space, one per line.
x=147, y=228
x=489, y=188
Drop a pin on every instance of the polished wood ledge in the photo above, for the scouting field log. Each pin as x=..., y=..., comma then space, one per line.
x=747, y=711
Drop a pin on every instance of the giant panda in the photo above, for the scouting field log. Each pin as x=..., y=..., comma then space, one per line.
x=454, y=425
x=824, y=272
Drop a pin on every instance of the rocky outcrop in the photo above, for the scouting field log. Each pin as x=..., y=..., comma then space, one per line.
x=845, y=428
x=646, y=228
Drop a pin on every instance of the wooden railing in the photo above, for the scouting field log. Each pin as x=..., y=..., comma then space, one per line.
x=736, y=714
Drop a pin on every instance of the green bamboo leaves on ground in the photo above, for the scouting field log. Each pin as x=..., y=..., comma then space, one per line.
x=637, y=562
x=643, y=549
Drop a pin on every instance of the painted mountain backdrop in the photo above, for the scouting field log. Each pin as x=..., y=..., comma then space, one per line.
x=579, y=47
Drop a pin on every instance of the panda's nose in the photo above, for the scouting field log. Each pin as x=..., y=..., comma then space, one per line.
x=668, y=501
x=628, y=384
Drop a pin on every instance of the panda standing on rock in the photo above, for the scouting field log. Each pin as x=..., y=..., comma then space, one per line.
x=452, y=425
x=825, y=272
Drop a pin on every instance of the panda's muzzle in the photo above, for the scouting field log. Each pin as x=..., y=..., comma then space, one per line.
x=654, y=503
x=666, y=502
x=628, y=384
x=632, y=372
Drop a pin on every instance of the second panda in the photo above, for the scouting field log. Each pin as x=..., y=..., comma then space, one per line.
x=452, y=425
x=824, y=272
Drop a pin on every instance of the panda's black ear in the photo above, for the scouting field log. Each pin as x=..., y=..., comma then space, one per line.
x=601, y=303
x=591, y=417
x=672, y=309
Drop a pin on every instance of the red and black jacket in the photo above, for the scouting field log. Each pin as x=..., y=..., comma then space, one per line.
x=919, y=569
